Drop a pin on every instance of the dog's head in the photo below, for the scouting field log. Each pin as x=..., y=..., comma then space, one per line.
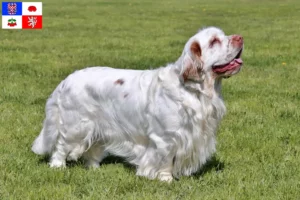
x=211, y=52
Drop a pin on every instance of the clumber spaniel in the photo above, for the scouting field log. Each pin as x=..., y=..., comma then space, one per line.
x=163, y=121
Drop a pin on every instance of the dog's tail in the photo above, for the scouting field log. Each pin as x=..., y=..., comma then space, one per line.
x=45, y=142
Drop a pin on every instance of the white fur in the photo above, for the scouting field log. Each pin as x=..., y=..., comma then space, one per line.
x=158, y=120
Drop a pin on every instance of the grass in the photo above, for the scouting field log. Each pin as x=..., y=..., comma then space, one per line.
x=258, y=153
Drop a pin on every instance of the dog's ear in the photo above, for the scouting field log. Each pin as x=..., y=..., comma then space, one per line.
x=196, y=50
x=192, y=66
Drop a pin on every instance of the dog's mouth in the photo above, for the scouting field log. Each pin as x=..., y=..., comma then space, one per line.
x=232, y=66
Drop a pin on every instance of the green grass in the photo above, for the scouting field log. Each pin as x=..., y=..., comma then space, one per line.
x=258, y=152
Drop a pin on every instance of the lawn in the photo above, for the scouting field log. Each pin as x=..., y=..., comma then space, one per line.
x=258, y=152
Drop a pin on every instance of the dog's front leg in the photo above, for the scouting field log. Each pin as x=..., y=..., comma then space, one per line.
x=157, y=161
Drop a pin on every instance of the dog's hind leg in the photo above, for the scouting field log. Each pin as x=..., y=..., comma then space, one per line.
x=60, y=153
x=70, y=145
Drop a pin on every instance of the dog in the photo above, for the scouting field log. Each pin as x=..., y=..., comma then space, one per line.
x=163, y=121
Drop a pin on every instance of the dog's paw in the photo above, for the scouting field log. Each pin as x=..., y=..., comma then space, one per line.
x=57, y=164
x=166, y=177
x=92, y=164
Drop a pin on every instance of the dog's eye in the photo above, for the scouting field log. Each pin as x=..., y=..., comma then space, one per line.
x=214, y=41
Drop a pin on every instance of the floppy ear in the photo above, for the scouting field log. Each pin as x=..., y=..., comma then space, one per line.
x=196, y=49
x=192, y=67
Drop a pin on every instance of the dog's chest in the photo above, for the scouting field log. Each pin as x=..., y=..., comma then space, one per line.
x=203, y=112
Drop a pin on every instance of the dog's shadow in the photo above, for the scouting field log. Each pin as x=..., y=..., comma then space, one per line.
x=70, y=164
x=81, y=163
x=214, y=164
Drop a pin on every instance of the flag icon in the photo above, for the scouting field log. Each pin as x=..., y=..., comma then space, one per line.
x=22, y=15
x=11, y=8
x=32, y=22
x=32, y=8
x=11, y=22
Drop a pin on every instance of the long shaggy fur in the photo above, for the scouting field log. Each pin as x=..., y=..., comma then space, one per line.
x=163, y=121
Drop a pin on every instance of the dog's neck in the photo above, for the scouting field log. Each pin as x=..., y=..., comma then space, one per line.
x=207, y=91
x=210, y=86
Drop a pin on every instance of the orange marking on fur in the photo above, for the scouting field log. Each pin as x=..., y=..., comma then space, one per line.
x=196, y=49
x=119, y=81
x=185, y=74
x=213, y=41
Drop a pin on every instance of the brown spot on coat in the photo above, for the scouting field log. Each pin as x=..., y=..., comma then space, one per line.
x=213, y=41
x=196, y=49
x=192, y=70
x=119, y=81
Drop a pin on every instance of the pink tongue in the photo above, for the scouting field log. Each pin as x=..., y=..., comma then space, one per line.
x=230, y=66
x=238, y=60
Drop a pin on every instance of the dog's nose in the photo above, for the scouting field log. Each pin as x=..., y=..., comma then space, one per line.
x=237, y=40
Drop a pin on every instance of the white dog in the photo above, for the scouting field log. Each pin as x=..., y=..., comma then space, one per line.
x=163, y=121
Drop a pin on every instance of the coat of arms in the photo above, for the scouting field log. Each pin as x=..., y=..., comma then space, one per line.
x=32, y=21
x=12, y=22
x=12, y=8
